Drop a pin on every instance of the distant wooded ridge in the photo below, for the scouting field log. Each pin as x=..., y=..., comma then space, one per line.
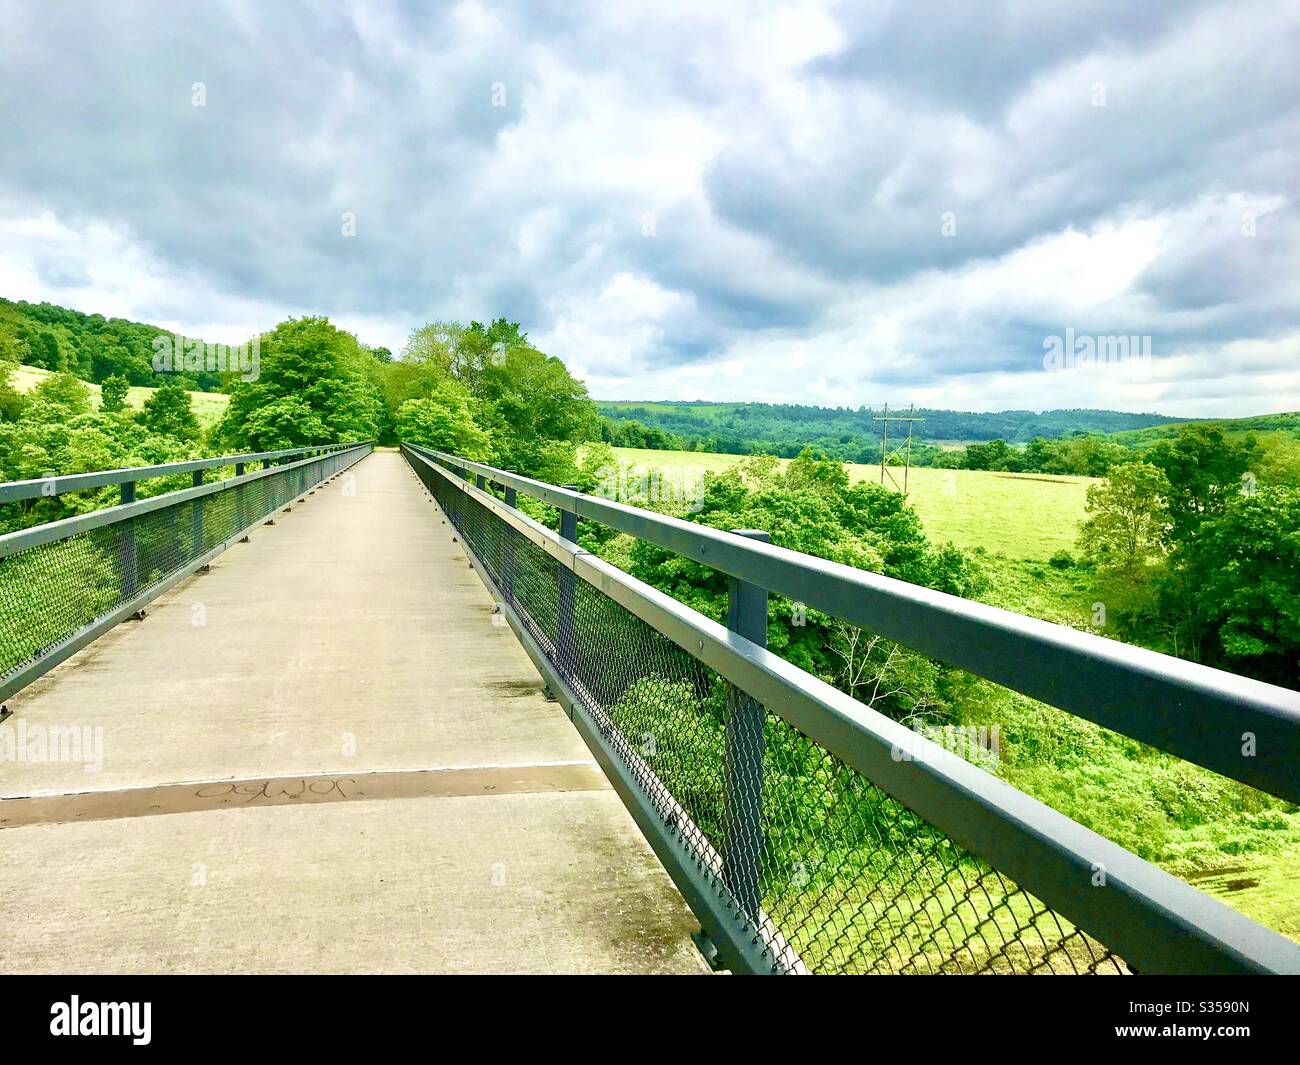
x=787, y=427
x=89, y=346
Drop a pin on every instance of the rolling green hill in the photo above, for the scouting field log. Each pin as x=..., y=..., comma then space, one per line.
x=208, y=406
x=90, y=346
x=848, y=433
x=1288, y=423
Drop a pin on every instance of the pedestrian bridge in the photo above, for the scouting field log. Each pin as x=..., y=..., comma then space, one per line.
x=339, y=709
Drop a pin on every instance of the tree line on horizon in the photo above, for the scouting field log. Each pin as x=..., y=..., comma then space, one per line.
x=846, y=433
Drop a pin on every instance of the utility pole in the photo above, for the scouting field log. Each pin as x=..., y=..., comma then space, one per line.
x=903, y=450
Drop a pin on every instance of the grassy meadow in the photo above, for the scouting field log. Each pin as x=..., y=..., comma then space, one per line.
x=208, y=406
x=1026, y=516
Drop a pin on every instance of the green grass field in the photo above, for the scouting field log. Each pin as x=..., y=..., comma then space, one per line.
x=208, y=406
x=1020, y=515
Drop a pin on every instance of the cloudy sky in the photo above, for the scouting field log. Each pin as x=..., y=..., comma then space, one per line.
x=802, y=201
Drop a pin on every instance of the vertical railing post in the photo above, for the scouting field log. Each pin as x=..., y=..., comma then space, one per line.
x=480, y=482
x=197, y=523
x=508, y=589
x=284, y=487
x=742, y=863
x=130, y=565
x=564, y=634
x=240, y=523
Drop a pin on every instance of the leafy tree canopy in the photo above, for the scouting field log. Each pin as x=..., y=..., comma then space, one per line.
x=1245, y=567
x=533, y=411
x=444, y=420
x=1205, y=468
x=316, y=386
x=170, y=412
x=1126, y=534
x=809, y=506
x=112, y=394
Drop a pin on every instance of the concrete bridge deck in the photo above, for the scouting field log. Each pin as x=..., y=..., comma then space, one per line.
x=323, y=755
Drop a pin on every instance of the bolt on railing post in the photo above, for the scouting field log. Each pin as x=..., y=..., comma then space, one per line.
x=130, y=566
x=564, y=634
x=197, y=525
x=742, y=862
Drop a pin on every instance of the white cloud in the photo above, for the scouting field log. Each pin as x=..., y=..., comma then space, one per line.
x=121, y=279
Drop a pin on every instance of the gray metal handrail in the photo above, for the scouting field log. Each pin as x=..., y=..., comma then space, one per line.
x=1206, y=716
x=1155, y=921
x=282, y=483
x=45, y=487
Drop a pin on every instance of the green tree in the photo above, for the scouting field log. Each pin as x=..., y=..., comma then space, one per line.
x=316, y=386
x=170, y=412
x=1205, y=469
x=533, y=409
x=444, y=421
x=1278, y=461
x=1245, y=567
x=13, y=351
x=1039, y=455
x=1086, y=455
x=65, y=391
x=434, y=346
x=537, y=412
x=12, y=402
x=1126, y=535
x=995, y=455
x=283, y=422
x=44, y=351
x=810, y=507
x=479, y=347
x=112, y=395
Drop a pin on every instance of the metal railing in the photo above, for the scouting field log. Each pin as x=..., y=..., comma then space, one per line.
x=128, y=477
x=64, y=583
x=810, y=833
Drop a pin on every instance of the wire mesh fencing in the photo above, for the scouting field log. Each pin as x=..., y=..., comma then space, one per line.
x=53, y=589
x=832, y=874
